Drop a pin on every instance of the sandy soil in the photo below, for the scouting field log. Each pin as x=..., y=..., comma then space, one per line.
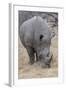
x=25, y=70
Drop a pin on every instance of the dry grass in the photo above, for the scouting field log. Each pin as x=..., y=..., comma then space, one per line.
x=36, y=71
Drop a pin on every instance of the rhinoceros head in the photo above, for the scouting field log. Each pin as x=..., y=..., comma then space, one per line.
x=44, y=54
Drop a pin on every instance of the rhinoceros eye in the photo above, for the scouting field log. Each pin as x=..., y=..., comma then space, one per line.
x=41, y=37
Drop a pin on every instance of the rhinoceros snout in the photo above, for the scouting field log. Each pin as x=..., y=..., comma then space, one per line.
x=48, y=60
x=41, y=56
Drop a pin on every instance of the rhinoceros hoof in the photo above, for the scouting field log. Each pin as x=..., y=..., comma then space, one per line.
x=31, y=62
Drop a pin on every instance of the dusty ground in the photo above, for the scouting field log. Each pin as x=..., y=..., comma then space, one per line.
x=36, y=71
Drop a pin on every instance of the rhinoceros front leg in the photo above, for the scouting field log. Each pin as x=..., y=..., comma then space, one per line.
x=31, y=54
x=37, y=57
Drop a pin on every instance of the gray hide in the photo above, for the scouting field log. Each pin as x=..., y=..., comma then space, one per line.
x=36, y=38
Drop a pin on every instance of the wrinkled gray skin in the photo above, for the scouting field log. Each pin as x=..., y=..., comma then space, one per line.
x=36, y=38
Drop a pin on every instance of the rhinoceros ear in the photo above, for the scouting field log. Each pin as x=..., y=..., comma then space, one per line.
x=52, y=34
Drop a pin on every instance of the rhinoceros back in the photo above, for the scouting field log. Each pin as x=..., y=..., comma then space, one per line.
x=31, y=30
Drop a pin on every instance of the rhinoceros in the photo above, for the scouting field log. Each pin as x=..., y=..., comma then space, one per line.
x=36, y=37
